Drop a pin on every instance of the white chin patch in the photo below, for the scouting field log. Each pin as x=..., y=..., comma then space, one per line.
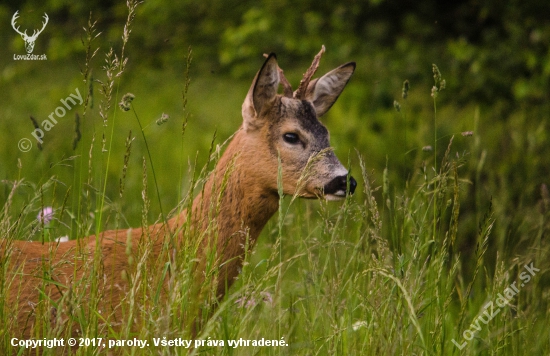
x=339, y=195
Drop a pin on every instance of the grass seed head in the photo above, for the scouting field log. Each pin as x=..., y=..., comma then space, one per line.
x=437, y=73
x=163, y=118
x=126, y=101
x=397, y=106
x=406, y=87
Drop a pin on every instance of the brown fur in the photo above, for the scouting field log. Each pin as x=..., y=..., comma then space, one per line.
x=246, y=180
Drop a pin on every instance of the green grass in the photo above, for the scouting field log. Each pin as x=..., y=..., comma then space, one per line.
x=404, y=266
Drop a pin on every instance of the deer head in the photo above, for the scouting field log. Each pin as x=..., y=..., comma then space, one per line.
x=29, y=40
x=287, y=127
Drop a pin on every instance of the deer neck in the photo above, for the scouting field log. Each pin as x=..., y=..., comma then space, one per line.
x=233, y=207
x=237, y=195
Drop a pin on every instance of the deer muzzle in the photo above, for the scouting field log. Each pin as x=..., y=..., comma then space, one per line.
x=338, y=188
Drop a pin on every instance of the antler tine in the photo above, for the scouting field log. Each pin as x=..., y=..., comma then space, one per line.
x=287, y=88
x=14, y=18
x=13, y=24
x=308, y=75
x=46, y=18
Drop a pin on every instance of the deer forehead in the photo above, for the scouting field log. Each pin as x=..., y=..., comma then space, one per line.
x=299, y=115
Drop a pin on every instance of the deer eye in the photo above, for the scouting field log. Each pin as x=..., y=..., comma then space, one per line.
x=291, y=138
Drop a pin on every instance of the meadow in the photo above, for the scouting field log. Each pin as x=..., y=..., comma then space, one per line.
x=442, y=250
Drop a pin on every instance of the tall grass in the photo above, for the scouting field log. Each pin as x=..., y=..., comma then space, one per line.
x=380, y=273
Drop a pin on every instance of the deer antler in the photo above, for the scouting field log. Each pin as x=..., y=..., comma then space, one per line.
x=37, y=32
x=287, y=88
x=13, y=19
x=299, y=94
x=24, y=34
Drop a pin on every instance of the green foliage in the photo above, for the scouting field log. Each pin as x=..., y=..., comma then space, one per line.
x=499, y=52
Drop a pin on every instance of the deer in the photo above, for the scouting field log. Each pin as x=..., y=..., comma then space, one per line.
x=279, y=139
x=29, y=40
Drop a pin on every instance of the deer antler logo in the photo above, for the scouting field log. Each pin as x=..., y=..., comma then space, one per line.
x=29, y=40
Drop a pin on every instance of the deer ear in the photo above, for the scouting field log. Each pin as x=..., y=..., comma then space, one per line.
x=324, y=91
x=262, y=93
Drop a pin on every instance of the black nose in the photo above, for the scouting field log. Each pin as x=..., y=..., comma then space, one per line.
x=352, y=185
x=339, y=186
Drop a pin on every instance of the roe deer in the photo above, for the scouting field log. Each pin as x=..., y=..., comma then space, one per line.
x=278, y=130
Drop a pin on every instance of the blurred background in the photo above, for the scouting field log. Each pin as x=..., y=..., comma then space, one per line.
x=493, y=55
